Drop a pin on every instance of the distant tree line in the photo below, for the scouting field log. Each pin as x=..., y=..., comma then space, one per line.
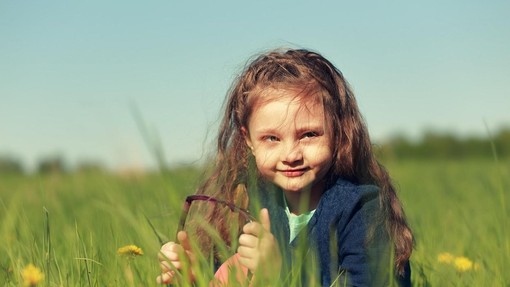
x=438, y=145
x=48, y=165
x=432, y=145
x=10, y=165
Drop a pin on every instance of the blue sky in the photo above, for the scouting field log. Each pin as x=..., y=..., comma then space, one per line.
x=72, y=71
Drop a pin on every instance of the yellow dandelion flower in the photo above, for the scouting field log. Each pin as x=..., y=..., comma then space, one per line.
x=31, y=275
x=445, y=257
x=130, y=250
x=463, y=264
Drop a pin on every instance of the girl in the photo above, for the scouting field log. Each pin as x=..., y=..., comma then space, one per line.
x=293, y=135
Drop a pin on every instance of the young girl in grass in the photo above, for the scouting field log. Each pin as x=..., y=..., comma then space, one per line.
x=292, y=135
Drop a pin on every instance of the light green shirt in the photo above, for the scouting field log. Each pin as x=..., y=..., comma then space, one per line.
x=297, y=222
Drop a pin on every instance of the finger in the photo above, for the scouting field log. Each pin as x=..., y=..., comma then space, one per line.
x=170, y=266
x=160, y=280
x=165, y=278
x=183, y=238
x=165, y=267
x=254, y=228
x=264, y=219
x=248, y=240
x=170, y=252
x=168, y=255
x=248, y=253
x=166, y=250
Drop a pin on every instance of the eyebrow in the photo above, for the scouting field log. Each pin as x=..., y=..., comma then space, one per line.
x=311, y=127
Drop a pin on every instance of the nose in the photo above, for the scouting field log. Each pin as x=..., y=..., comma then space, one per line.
x=292, y=153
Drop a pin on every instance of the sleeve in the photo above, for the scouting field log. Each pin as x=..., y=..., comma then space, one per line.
x=365, y=247
x=352, y=253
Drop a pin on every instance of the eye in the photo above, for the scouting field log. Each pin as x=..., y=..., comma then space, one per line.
x=310, y=134
x=270, y=138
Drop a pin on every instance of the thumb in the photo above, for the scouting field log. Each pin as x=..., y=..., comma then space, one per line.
x=182, y=236
x=264, y=219
x=183, y=239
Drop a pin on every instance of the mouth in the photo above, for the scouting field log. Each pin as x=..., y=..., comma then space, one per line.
x=293, y=172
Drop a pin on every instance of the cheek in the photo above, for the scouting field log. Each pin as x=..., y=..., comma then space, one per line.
x=265, y=158
x=322, y=156
x=264, y=168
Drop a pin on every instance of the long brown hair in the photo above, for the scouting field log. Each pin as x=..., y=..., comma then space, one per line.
x=353, y=156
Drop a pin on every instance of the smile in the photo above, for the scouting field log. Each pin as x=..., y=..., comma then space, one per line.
x=293, y=172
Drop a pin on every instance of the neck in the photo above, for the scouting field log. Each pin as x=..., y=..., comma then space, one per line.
x=304, y=200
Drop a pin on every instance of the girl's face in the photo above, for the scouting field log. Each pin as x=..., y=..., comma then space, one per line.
x=289, y=140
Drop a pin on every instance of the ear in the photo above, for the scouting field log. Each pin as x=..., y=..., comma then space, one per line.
x=246, y=136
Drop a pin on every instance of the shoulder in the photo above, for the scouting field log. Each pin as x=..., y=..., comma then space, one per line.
x=347, y=204
x=346, y=195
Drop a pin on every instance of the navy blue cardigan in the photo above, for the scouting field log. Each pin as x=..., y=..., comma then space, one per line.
x=335, y=238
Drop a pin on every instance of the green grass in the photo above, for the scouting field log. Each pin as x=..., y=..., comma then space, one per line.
x=460, y=208
x=70, y=226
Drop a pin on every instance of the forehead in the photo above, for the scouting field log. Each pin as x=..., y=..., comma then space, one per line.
x=275, y=107
x=292, y=97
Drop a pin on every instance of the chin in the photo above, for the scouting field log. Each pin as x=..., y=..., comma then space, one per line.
x=295, y=188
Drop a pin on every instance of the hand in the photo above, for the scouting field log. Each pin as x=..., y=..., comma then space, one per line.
x=174, y=256
x=258, y=248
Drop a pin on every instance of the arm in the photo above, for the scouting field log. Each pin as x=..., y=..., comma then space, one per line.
x=353, y=261
x=364, y=245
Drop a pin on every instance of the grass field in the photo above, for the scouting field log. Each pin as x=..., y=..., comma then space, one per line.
x=70, y=227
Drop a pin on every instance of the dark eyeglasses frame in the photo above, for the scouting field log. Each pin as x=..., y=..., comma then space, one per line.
x=200, y=197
